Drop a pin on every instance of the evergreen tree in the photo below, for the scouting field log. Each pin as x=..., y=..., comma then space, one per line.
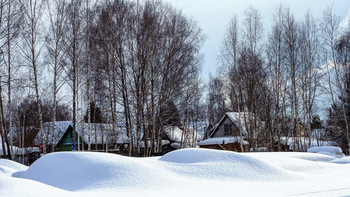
x=95, y=114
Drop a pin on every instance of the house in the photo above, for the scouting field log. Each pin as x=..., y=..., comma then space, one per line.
x=179, y=137
x=102, y=138
x=173, y=138
x=49, y=138
x=229, y=134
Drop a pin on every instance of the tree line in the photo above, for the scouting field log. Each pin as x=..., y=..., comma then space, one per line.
x=287, y=79
x=138, y=62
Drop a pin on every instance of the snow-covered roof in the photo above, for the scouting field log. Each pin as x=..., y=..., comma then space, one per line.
x=176, y=134
x=223, y=140
x=99, y=132
x=61, y=127
x=241, y=118
x=327, y=150
x=291, y=141
x=187, y=136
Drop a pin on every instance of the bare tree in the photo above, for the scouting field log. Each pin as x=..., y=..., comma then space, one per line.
x=291, y=33
x=276, y=61
x=251, y=68
x=310, y=63
x=337, y=70
x=33, y=47
x=55, y=45
x=73, y=53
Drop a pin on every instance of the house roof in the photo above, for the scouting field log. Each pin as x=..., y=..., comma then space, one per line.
x=61, y=127
x=104, y=132
x=175, y=134
x=101, y=133
x=223, y=140
x=188, y=135
x=237, y=118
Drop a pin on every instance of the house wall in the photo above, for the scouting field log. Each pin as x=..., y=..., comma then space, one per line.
x=220, y=131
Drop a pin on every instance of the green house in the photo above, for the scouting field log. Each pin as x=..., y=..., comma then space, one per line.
x=101, y=135
x=65, y=142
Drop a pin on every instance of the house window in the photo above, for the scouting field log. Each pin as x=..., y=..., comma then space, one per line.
x=227, y=129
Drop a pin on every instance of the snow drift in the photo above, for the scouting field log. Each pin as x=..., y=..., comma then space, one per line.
x=86, y=170
x=327, y=150
x=187, y=172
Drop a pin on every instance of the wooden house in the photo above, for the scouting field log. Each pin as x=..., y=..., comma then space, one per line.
x=102, y=137
x=174, y=137
x=51, y=139
x=179, y=137
x=229, y=134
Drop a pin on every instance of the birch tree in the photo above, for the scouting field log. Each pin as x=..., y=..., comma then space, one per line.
x=32, y=49
x=310, y=64
x=55, y=44
x=275, y=52
x=73, y=53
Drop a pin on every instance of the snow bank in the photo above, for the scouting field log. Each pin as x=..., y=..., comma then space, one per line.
x=186, y=172
x=85, y=170
x=343, y=160
x=215, y=164
x=327, y=150
x=8, y=167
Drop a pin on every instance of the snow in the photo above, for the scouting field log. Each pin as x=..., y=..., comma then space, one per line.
x=327, y=150
x=304, y=143
x=185, y=172
x=222, y=140
x=8, y=167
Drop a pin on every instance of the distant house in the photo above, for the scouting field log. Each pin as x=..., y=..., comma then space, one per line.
x=179, y=137
x=61, y=127
x=102, y=138
x=174, y=137
x=229, y=134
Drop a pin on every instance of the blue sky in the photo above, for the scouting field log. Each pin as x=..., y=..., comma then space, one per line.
x=213, y=17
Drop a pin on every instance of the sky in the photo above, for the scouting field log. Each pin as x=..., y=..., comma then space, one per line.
x=213, y=18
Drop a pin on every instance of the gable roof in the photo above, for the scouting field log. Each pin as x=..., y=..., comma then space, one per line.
x=101, y=133
x=104, y=132
x=61, y=127
x=237, y=118
x=188, y=135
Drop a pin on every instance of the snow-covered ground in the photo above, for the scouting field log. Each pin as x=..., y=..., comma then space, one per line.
x=186, y=172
